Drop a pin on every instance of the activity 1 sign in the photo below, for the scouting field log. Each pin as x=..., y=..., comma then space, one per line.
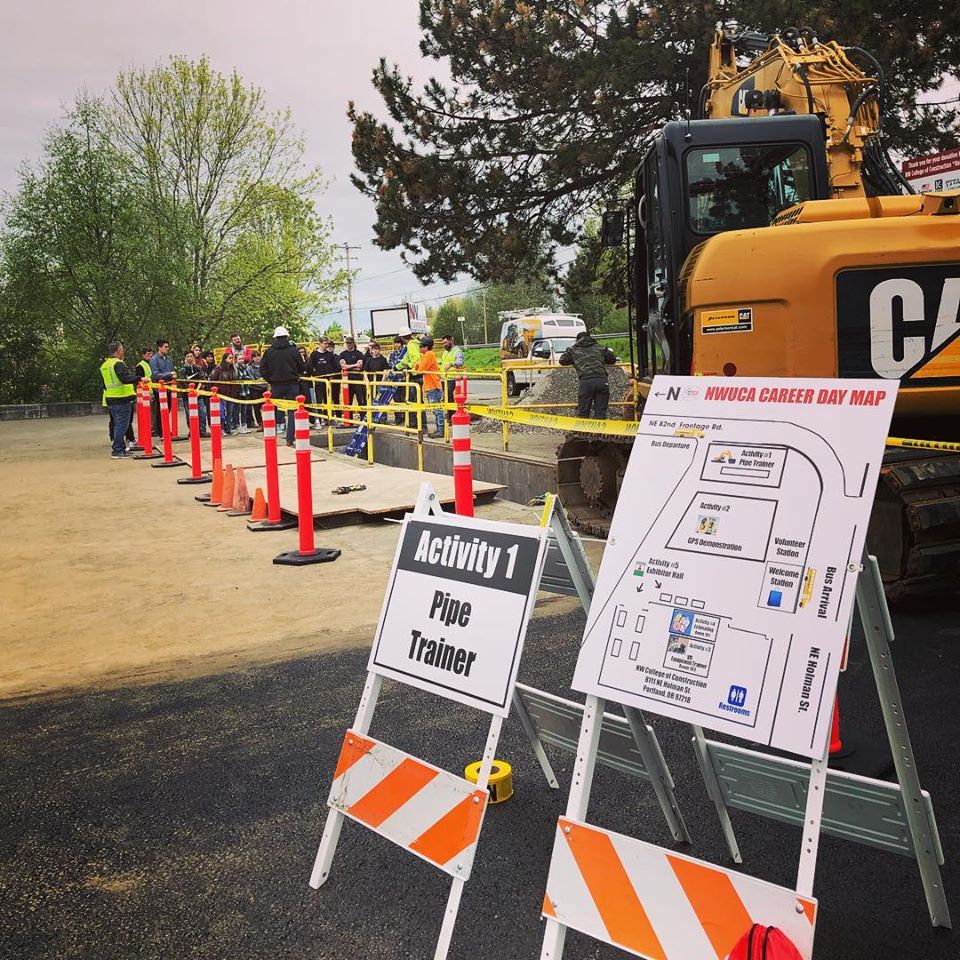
x=457, y=606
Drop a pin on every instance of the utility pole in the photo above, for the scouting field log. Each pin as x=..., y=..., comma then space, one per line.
x=346, y=253
x=486, y=338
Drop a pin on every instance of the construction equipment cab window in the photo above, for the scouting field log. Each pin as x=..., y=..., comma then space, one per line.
x=745, y=185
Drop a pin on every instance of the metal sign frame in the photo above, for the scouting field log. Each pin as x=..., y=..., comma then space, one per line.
x=427, y=504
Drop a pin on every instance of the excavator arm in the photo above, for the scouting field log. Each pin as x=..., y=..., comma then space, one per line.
x=756, y=74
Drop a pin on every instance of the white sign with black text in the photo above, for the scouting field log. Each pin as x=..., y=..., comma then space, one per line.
x=457, y=605
x=728, y=579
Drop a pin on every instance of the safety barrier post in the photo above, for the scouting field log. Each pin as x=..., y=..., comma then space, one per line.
x=370, y=386
x=169, y=460
x=274, y=520
x=328, y=390
x=193, y=422
x=141, y=431
x=216, y=429
x=216, y=442
x=308, y=553
x=345, y=397
x=504, y=401
x=462, y=467
x=146, y=425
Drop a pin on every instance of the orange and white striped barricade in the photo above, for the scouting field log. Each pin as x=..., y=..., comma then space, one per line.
x=146, y=425
x=453, y=623
x=662, y=905
x=193, y=422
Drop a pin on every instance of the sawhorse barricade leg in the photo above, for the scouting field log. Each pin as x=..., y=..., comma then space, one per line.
x=555, y=933
x=334, y=822
x=878, y=631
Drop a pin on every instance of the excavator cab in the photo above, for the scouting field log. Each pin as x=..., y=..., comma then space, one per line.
x=701, y=178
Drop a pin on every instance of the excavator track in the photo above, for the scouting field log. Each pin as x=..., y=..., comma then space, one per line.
x=914, y=529
x=915, y=526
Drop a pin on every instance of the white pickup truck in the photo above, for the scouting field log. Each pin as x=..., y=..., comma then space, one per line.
x=544, y=352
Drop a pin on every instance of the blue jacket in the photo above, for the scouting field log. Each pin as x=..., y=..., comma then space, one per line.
x=161, y=368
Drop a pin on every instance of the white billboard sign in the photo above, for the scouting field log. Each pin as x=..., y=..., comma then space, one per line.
x=728, y=579
x=457, y=605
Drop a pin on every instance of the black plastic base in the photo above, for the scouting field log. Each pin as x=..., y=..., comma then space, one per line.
x=146, y=456
x=207, y=503
x=176, y=462
x=179, y=439
x=296, y=559
x=868, y=758
x=238, y=513
x=196, y=480
x=259, y=526
x=204, y=497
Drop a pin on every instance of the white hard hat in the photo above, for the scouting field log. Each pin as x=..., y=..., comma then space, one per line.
x=281, y=332
x=404, y=332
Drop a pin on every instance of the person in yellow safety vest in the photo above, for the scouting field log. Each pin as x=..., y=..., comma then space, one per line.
x=451, y=363
x=144, y=365
x=119, y=392
x=408, y=363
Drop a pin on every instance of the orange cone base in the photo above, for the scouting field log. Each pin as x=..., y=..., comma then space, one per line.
x=868, y=758
x=239, y=513
x=284, y=523
x=196, y=480
x=294, y=558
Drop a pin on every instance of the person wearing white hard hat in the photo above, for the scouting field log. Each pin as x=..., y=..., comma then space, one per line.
x=407, y=364
x=282, y=367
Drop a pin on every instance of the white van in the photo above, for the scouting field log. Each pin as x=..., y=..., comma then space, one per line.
x=519, y=328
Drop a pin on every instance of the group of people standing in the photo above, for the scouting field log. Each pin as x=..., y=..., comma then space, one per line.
x=286, y=368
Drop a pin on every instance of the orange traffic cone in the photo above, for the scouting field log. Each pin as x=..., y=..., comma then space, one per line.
x=216, y=489
x=226, y=501
x=241, y=496
x=259, y=511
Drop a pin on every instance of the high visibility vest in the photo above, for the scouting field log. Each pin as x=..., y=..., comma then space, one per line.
x=144, y=367
x=448, y=358
x=113, y=389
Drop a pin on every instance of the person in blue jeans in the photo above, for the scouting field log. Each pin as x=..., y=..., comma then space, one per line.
x=118, y=389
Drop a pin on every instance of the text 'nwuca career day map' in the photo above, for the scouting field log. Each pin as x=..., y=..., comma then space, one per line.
x=727, y=584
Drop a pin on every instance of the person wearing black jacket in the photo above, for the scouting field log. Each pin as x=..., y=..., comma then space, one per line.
x=282, y=368
x=590, y=359
x=324, y=363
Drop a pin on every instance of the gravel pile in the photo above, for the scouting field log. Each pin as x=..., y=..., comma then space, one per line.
x=560, y=386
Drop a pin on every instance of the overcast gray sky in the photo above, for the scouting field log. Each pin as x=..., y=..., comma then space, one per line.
x=310, y=56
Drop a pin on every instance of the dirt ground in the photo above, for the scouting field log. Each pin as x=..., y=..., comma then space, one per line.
x=113, y=574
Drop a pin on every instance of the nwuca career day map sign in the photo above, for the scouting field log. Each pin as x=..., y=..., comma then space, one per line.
x=457, y=607
x=728, y=579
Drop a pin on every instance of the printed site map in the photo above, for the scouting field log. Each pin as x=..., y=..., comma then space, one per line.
x=726, y=589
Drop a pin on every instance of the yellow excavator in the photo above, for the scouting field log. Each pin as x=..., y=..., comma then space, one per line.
x=775, y=237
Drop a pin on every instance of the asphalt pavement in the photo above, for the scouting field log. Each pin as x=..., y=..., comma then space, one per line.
x=181, y=820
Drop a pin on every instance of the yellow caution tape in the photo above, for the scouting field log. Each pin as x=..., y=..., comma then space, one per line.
x=610, y=428
x=924, y=444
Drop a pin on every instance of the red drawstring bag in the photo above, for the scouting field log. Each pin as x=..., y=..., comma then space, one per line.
x=764, y=943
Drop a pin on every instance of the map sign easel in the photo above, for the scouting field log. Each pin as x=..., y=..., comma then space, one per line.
x=723, y=600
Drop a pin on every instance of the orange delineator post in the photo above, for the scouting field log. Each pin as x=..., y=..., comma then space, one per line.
x=169, y=460
x=273, y=519
x=193, y=421
x=308, y=552
x=146, y=426
x=462, y=466
x=216, y=430
x=345, y=396
x=836, y=744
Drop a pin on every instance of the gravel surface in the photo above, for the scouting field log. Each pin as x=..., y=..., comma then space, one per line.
x=181, y=820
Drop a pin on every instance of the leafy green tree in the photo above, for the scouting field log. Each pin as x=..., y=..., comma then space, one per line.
x=214, y=160
x=552, y=101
